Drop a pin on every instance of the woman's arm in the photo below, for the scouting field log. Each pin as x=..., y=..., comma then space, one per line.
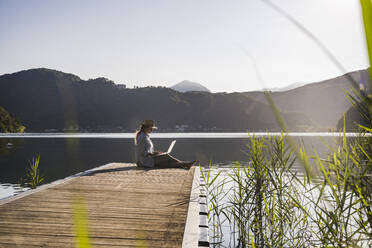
x=148, y=146
x=145, y=147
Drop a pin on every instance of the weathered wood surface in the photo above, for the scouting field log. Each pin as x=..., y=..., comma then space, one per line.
x=126, y=207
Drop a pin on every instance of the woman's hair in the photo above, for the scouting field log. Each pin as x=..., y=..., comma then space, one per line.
x=141, y=129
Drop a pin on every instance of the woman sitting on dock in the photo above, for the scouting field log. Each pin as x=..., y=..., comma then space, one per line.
x=147, y=157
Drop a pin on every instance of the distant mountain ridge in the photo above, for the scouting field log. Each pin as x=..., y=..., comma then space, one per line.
x=324, y=102
x=187, y=86
x=286, y=88
x=49, y=100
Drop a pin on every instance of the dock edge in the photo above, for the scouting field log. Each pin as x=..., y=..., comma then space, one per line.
x=196, y=228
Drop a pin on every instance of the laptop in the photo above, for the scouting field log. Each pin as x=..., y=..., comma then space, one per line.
x=169, y=149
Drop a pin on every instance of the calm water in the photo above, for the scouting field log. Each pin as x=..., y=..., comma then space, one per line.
x=65, y=154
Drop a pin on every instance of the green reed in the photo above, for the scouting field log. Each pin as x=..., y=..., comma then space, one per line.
x=340, y=209
x=33, y=176
x=270, y=205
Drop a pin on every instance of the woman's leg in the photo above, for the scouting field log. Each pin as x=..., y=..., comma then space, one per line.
x=167, y=161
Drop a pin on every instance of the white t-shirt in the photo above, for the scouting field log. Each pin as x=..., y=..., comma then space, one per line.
x=144, y=146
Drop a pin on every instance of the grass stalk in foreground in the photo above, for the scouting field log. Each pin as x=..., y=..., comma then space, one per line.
x=80, y=223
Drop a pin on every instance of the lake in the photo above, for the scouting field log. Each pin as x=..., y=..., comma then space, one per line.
x=62, y=155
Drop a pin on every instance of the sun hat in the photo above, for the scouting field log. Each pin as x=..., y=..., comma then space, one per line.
x=149, y=123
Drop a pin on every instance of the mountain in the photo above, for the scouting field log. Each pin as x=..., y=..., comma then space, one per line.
x=357, y=115
x=352, y=119
x=50, y=100
x=9, y=124
x=186, y=86
x=323, y=102
x=285, y=88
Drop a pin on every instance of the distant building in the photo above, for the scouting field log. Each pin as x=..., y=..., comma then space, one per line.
x=121, y=86
x=181, y=128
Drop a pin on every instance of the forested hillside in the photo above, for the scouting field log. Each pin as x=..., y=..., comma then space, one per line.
x=49, y=100
x=9, y=124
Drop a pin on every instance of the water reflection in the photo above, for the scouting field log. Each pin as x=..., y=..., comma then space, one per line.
x=61, y=157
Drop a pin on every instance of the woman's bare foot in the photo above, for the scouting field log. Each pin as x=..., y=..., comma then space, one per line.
x=187, y=165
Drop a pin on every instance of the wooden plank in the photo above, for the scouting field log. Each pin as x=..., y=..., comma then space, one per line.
x=126, y=207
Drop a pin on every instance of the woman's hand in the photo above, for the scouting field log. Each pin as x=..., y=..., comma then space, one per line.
x=153, y=154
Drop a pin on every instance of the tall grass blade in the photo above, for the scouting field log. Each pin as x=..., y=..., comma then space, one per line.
x=80, y=223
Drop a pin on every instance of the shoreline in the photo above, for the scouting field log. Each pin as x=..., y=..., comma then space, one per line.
x=201, y=135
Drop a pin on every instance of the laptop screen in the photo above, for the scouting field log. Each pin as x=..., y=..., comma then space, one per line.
x=171, y=146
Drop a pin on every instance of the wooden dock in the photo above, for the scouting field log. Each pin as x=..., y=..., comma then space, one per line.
x=126, y=207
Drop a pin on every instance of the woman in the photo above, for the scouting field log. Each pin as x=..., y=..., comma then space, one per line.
x=147, y=157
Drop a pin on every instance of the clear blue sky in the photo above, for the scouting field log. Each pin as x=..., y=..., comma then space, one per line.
x=163, y=42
